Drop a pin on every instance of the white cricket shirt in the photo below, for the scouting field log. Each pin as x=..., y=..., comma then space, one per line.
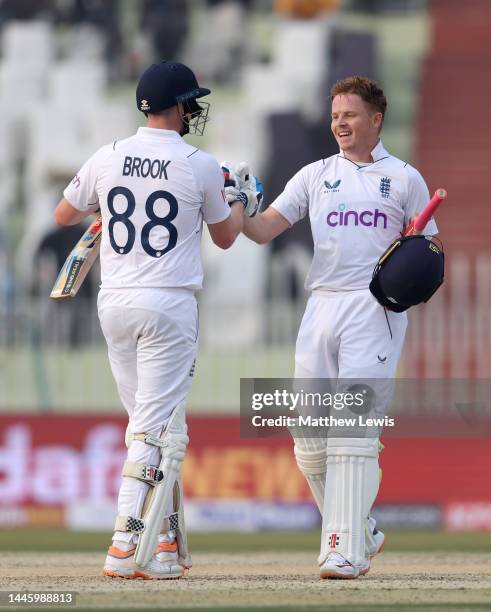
x=154, y=191
x=355, y=212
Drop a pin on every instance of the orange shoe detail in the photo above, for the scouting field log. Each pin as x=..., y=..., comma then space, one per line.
x=114, y=574
x=166, y=547
x=120, y=554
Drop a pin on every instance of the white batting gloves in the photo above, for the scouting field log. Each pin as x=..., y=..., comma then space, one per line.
x=232, y=193
x=242, y=186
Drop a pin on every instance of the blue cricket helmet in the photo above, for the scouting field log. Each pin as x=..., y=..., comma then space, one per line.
x=408, y=273
x=166, y=84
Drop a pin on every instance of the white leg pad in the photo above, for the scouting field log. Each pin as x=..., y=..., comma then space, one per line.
x=135, y=488
x=181, y=533
x=353, y=477
x=311, y=459
x=173, y=444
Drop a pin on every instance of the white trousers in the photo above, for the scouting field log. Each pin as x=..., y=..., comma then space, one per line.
x=152, y=340
x=345, y=335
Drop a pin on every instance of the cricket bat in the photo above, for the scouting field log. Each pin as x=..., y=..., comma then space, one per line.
x=79, y=262
x=419, y=223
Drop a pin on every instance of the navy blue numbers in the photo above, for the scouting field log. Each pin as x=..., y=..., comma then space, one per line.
x=123, y=218
x=154, y=221
x=163, y=221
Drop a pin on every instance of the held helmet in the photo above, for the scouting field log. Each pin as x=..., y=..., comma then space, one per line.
x=164, y=85
x=408, y=273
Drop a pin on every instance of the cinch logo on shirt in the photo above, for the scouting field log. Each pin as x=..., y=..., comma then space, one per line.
x=368, y=218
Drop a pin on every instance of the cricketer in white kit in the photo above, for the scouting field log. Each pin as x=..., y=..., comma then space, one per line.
x=154, y=191
x=358, y=202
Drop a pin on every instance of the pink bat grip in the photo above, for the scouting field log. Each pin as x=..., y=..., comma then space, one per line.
x=425, y=215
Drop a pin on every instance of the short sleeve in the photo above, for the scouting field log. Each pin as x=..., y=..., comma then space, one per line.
x=209, y=177
x=293, y=202
x=418, y=197
x=81, y=191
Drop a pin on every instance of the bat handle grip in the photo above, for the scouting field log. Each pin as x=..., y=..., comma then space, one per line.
x=419, y=223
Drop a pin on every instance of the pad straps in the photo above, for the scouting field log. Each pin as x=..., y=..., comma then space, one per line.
x=135, y=525
x=141, y=471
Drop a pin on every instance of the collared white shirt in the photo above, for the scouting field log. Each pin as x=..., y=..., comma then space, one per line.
x=355, y=211
x=154, y=191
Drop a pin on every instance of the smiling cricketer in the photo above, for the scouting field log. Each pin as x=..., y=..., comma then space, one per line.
x=358, y=201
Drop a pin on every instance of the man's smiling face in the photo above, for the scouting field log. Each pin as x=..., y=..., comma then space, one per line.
x=355, y=125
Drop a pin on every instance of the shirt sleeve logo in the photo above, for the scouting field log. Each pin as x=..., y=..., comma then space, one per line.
x=385, y=186
x=332, y=188
x=76, y=181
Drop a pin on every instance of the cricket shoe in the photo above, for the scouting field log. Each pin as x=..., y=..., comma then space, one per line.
x=337, y=567
x=162, y=566
x=375, y=543
x=374, y=540
x=120, y=563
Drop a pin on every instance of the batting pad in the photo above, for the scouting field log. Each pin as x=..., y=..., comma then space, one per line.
x=352, y=475
x=173, y=446
x=310, y=454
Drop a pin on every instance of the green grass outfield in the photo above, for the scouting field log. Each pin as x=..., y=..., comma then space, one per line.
x=58, y=540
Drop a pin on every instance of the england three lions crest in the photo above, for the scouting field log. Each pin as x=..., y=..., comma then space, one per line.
x=385, y=186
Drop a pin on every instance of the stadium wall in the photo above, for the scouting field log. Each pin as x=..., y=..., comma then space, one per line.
x=61, y=470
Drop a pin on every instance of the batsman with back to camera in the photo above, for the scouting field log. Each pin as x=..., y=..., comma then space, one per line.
x=358, y=202
x=154, y=191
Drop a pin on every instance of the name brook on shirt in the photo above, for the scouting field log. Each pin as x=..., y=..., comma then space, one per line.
x=136, y=166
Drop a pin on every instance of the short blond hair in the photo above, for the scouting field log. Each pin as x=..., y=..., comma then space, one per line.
x=364, y=87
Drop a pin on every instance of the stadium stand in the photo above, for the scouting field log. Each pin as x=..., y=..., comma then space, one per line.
x=453, y=138
x=454, y=133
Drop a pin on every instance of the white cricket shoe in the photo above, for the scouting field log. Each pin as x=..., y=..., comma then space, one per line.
x=379, y=538
x=336, y=566
x=120, y=563
x=375, y=543
x=162, y=566
x=375, y=539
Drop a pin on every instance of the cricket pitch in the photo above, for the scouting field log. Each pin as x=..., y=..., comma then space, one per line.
x=261, y=580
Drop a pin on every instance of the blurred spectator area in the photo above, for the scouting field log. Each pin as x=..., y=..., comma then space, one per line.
x=452, y=150
x=453, y=127
x=56, y=113
x=167, y=22
x=304, y=9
